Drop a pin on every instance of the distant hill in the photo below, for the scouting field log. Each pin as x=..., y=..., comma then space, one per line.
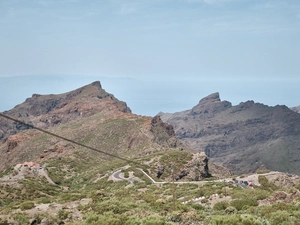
x=244, y=137
x=296, y=109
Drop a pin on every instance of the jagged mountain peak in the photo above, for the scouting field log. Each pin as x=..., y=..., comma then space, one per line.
x=214, y=97
x=209, y=105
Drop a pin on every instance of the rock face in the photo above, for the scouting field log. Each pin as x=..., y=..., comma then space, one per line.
x=194, y=170
x=242, y=137
x=46, y=111
x=197, y=169
x=296, y=109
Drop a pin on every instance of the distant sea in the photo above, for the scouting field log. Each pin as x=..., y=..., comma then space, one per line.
x=149, y=96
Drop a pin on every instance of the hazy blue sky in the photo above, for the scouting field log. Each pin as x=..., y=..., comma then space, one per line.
x=245, y=49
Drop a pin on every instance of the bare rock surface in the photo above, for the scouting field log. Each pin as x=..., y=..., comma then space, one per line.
x=296, y=109
x=242, y=137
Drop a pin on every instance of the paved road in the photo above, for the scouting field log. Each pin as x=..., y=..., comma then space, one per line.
x=116, y=175
x=175, y=182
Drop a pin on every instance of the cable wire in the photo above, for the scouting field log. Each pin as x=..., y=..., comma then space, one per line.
x=69, y=140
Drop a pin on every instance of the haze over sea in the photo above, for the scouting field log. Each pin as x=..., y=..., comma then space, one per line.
x=146, y=96
x=156, y=55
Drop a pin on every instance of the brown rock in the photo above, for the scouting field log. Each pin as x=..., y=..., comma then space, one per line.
x=241, y=137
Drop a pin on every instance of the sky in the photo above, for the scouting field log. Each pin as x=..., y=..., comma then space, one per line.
x=157, y=55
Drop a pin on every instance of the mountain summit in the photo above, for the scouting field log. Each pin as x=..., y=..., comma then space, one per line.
x=89, y=118
x=242, y=137
x=46, y=111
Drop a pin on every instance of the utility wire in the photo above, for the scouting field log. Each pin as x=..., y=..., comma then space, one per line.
x=69, y=140
x=85, y=146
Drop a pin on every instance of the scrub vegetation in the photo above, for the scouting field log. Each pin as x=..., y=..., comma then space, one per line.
x=140, y=202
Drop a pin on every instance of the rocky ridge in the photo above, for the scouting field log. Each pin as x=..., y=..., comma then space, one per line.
x=89, y=115
x=46, y=111
x=242, y=137
x=296, y=109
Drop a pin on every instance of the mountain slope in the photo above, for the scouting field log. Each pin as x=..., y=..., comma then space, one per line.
x=103, y=127
x=50, y=110
x=243, y=137
x=99, y=172
x=296, y=109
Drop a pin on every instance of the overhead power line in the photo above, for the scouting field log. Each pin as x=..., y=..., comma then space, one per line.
x=69, y=140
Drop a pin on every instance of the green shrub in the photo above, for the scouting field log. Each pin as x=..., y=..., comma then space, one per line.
x=197, y=206
x=114, y=206
x=234, y=219
x=280, y=217
x=126, y=174
x=108, y=218
x=297, y=186
x=240, y=204
x=21, y=218
x=221, y=205
x=154, y=220
x=230, y=210
x=62, y=214
x=261, y=195
x=262, y=171
x=266, y=184
x=26, y=205
x=43, y=200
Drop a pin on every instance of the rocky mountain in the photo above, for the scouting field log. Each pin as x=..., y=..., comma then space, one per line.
x=296, y=109
x=47, y=111
x=83, y=158
x=92, y=117
x=244, y=137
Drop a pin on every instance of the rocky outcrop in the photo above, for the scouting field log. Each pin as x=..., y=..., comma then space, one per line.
x=13, y=141
x=197, y=168
x=209, y=106
x=164, y=134
x=296, y=109
x=241, y=137
x=280, y=196
x=194, y=170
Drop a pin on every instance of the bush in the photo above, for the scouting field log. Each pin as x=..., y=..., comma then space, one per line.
x=266, y=184
x=126, y=174
x=240, y=204
x=235, y=219
x=108, y=218
x=62, y=214
x=262, y=171
x=154, y=220
x=279, y=217
x=230, y=210
x=114, y=206
x=221, y=205
x=297, y=186
x=197, y=206
x=21, y=218
x=26, y=205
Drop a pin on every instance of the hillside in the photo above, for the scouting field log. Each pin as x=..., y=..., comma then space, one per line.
x=244, y=137
x=89, y=160
x=89, y=116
